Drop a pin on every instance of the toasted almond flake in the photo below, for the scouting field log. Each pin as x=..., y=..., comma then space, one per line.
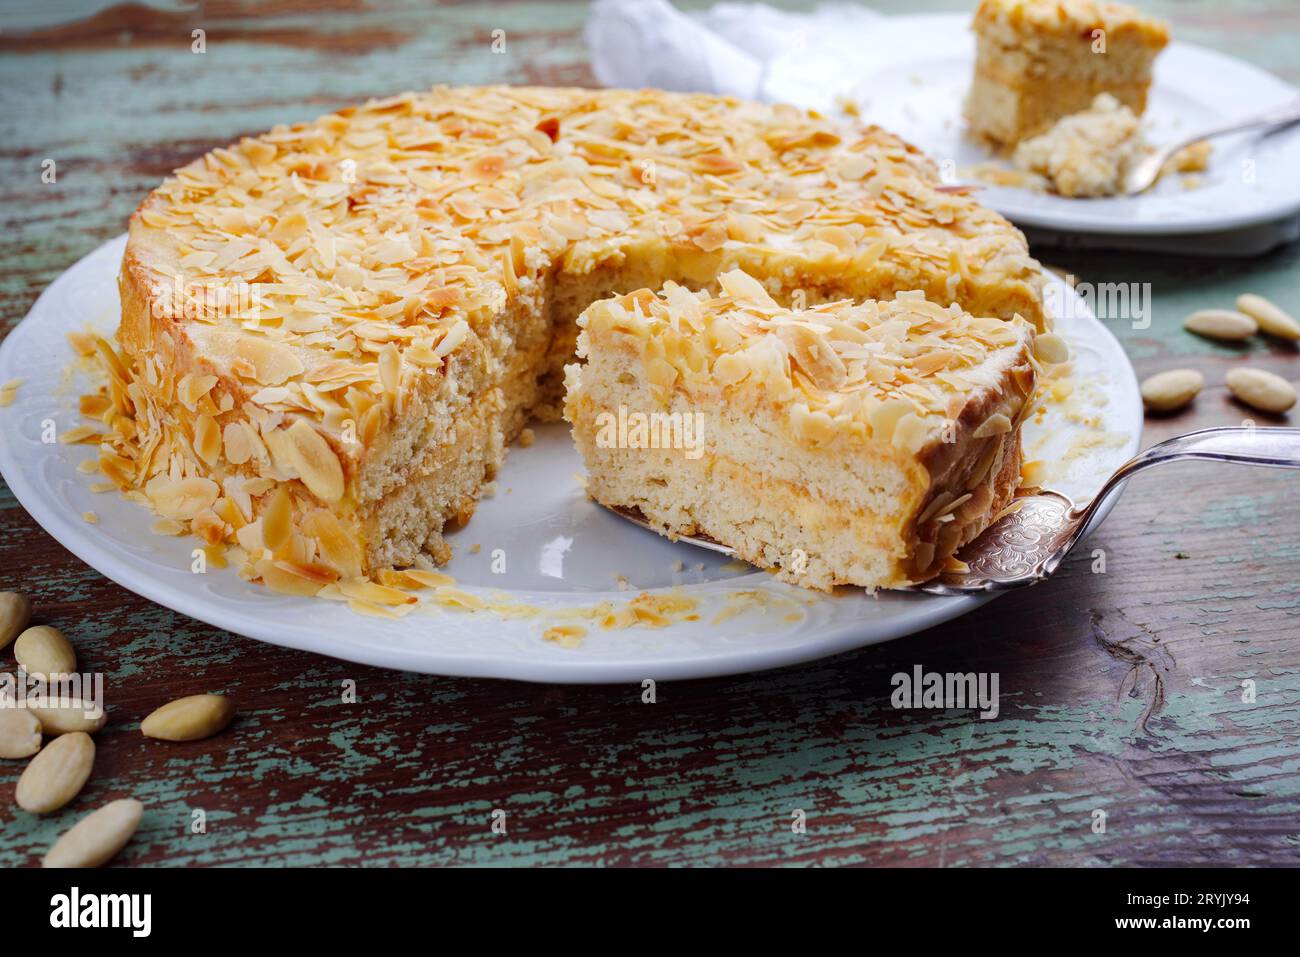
x=271, y=363
x=996, y=424
x=1051, y=348
x=181, y=499
x=284, y=582
x=365, y=590
x=207, y=439
x=277, y=520
x=81, y=434
x=454, y=597
x=566, y=636
x=427, y=578
x=238, y=446
x=311, y=571
x=1033, y=474
x=315, y=462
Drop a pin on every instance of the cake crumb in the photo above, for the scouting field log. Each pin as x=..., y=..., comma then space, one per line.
x=526, y=438
x=475, y=548
x=90, y=518
x=566, y=636
x=679, y=565
x=9, y=391
x=1086, y=154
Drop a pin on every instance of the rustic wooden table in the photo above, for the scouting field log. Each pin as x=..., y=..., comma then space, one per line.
x=1121, y=692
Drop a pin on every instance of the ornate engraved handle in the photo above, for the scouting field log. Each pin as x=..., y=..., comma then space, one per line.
x=1267, y=447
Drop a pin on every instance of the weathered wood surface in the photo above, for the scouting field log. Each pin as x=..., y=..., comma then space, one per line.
x=1200, y=593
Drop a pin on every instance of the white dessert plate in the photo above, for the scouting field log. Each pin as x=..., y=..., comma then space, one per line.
x=910, y=75
x=541, y=542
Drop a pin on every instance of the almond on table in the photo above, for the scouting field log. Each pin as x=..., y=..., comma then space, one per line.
x=20, y=732
x=97, y=837
x=189, y=719
x=1171, y=390
x=1221, y=324
x=56, y=774
x=43, y=650
x=1271, y=318
x=1261, y=389
x=15, y=612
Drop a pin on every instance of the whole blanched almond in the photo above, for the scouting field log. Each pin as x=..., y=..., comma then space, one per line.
x=1221, y=324
x=20, y=731
x=1261, y=390
x=15, y=612
x=60, y=715
x=189, y=719
x=1167, y=391
x=42, y=650
x=93, y=840
x=57, y=774
x=1271, y=318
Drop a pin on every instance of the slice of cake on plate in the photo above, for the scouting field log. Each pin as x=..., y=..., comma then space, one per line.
x=847, y=443
x=1039, y=60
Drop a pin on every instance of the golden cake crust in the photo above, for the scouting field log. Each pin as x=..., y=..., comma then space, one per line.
x=1077, y=18
x=396, y=278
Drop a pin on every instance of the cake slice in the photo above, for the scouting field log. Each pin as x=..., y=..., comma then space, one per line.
x=1039, y=60
x=848, y=443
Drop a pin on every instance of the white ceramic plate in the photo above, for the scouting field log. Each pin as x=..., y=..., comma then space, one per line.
x=560, y=551
x=915, y=76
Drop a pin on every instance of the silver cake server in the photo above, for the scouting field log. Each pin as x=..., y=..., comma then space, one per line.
x=1032, y=537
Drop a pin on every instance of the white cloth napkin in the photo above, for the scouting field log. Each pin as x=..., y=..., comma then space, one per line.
x=725, y=49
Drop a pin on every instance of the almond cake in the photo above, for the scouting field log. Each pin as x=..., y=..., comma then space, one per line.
x=331, y=332
x=1039, y=60
x=847, y=443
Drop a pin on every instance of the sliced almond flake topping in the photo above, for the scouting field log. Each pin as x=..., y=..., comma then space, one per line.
x=315, y=462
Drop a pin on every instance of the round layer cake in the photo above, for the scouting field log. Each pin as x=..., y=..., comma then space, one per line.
x=331, y=332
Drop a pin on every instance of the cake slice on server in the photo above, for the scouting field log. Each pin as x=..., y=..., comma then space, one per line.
x=847, y=443
x=1039, y=60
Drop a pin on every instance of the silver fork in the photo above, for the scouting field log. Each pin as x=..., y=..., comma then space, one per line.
x=1032, y=537
x=1144, y=173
